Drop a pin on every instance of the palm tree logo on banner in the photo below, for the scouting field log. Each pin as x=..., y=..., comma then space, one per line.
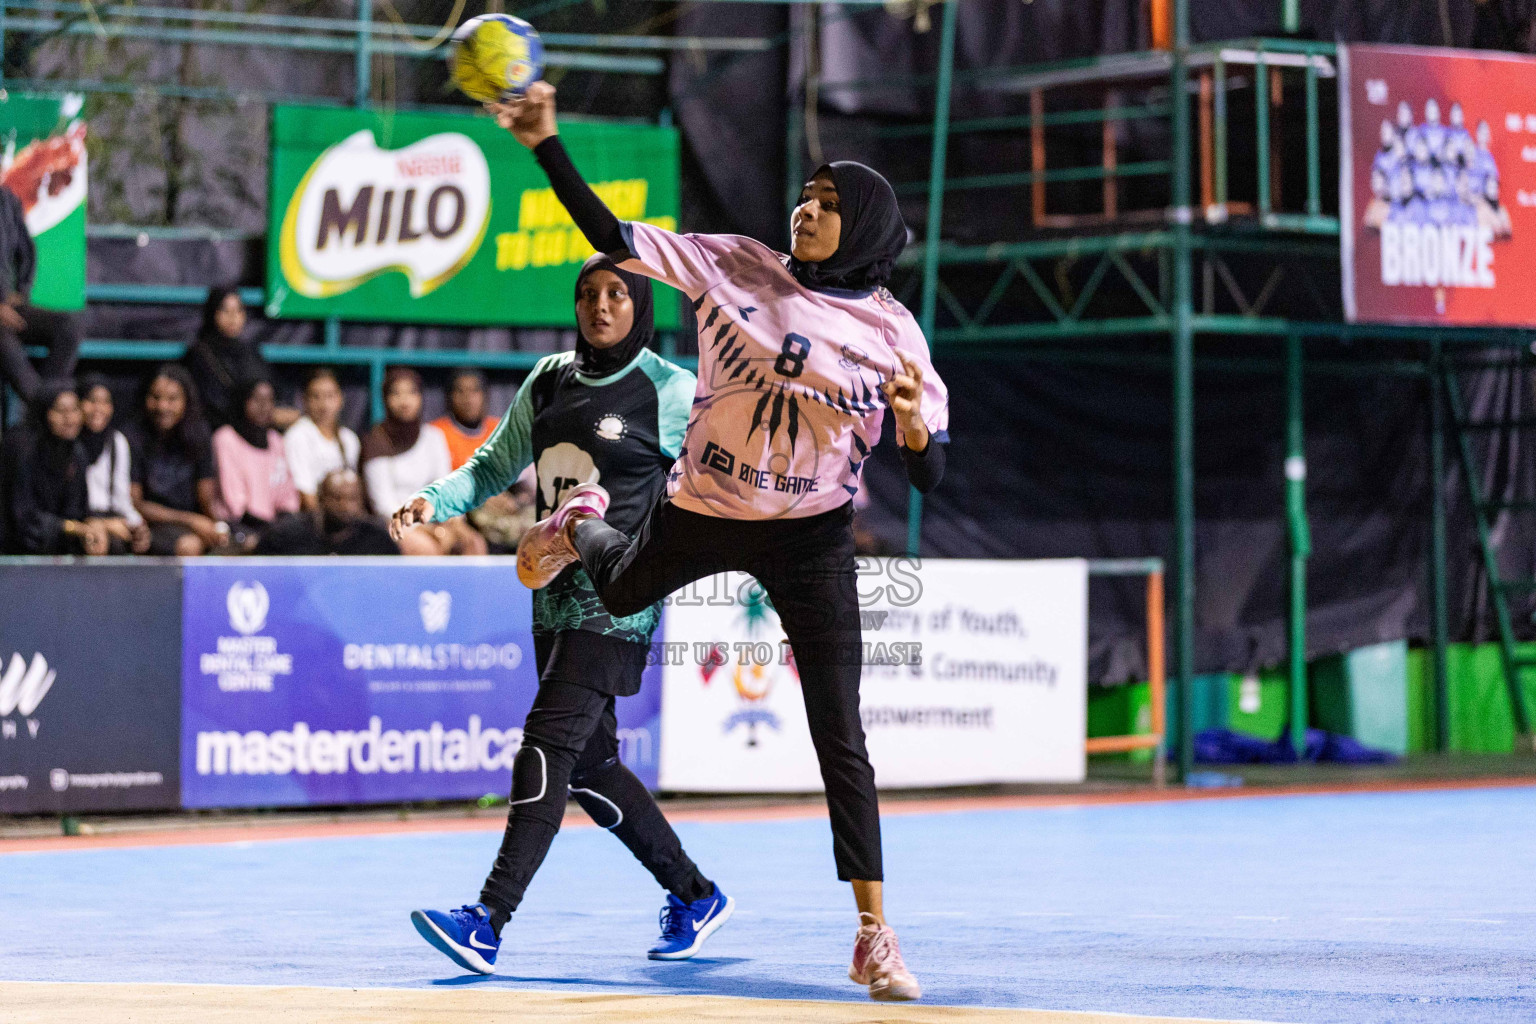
x=753, y=675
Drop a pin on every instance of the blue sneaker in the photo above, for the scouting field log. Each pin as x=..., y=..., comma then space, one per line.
x=685, y=926
x=465, y=935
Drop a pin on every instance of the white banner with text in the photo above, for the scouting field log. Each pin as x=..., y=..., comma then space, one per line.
x=973, y=672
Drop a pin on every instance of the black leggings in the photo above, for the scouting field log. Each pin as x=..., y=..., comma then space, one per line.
x=807, y=568
x=570, y=744
x=58, y=331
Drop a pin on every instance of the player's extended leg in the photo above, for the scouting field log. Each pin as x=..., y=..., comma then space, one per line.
x=616, y=800
x=563, y=717
x=813, y=584
x=672, y=548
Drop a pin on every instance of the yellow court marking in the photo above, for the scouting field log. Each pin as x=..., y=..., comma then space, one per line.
x=109, y=1003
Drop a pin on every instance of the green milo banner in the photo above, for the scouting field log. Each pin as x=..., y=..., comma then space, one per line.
x=443, y=217
x=43, y=161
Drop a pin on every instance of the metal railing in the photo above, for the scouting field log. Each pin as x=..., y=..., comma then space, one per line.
x=363, y=37
x=1155, y=739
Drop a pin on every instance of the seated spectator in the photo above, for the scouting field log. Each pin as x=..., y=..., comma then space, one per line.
x=21, y=323
x=219, y=359
x=318, y=443
x=339, y=524
x=401, y=456
x=45, y=481
x=108, y=484
x=466, y=426
x=175, y=487
x=254, y=484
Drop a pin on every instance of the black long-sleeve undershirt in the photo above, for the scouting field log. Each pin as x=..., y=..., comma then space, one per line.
x=605, y=234
x=925, y=468
x=591, y=215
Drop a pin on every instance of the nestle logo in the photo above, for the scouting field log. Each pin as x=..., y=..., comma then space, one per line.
x=430, y=165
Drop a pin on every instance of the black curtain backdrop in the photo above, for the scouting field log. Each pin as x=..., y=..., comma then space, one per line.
x=1052, y=460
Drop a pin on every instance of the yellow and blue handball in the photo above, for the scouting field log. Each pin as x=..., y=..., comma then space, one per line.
x=495, y=57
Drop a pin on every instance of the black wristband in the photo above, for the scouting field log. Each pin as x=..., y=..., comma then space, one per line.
x=925, y=468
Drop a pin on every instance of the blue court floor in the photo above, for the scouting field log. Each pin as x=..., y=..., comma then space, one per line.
x=1395, y=907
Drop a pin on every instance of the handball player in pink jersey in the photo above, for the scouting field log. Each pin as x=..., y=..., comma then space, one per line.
x=799, y=357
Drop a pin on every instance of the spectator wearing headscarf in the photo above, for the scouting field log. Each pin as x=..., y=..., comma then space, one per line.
x=108, y=461
x=175, y=485
x=465, y=425
x=220, y=359
x=45, y=480
x=254, y=483
x=401, y=456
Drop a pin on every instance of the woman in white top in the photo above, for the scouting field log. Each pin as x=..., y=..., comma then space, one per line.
x=318, y=444
x=402, y=455
x=107, y=481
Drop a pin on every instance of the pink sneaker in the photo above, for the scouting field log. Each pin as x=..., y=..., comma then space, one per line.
x=546, y=548
x=877, y=963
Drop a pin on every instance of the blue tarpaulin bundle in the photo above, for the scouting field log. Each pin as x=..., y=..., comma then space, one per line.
x=1223, y=746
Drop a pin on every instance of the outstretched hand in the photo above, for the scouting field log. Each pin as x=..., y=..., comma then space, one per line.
x=529, y=117
x=416, y=512
x=904, y=392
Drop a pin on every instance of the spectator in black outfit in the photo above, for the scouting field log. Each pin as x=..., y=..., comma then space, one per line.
x=45, y=480
x=219, y=361
x=22, y=324
x=339, y=525
x=175, y=486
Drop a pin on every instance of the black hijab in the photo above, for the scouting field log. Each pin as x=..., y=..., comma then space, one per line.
x=873, y=232
x=249, y=432
x=220, y=363
x=208, y=329
x=44, y=478
x=93, y=442
x=592, y=361
x=56, y=457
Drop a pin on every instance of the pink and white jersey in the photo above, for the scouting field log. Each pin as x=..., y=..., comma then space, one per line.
x=788, y=404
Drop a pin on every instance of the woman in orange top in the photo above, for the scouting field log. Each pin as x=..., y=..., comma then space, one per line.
x=466, y=426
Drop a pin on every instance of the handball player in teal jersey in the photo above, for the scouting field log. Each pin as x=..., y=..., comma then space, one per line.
x=611, y=413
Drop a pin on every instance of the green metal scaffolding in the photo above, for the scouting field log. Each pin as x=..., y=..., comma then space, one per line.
x=1177, y=237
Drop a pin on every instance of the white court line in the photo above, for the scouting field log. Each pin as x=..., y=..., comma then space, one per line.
x=1474, y=920
x=1257, y=917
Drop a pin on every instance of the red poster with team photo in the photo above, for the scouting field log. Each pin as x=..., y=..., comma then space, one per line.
x=1437, y=186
